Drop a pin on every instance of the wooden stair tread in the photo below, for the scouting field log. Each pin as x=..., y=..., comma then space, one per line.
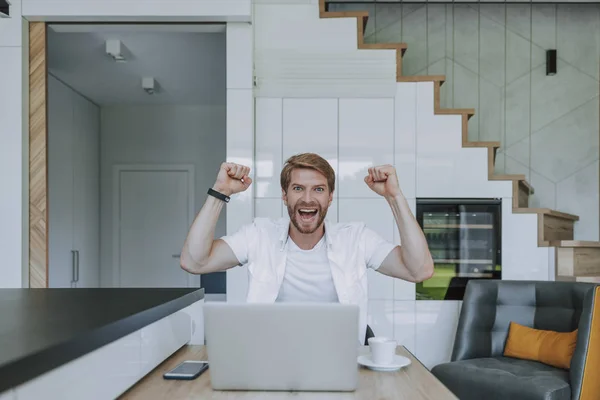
x=546, y=211
x=574, y=243
x=423, y=78
x=391, y=46
x=505, y=177
x=482, y=144
x=455, y=111
x=344, y=14
x=527, y=185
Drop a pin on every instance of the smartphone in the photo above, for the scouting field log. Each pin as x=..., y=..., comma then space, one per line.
x=187, y=370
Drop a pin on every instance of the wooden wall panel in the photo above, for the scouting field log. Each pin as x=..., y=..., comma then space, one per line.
x=38, y=157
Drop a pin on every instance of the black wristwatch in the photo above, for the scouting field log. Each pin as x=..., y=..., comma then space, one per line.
x=218, y=195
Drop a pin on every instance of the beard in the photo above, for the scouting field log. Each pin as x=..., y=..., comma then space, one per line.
x=297, y=221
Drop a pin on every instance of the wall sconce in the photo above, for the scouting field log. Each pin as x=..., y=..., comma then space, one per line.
x=4, y=9
x=550, y=62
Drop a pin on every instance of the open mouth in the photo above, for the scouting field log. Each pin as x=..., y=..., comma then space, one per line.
x=307, y=214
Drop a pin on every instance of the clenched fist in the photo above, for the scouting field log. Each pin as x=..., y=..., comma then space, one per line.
x=232, y=178
x=383, y=181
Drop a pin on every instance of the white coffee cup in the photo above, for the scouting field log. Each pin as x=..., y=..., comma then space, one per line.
x=383, y=350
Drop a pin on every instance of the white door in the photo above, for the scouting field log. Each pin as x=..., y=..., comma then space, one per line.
x=60, y=186
x=153, y=210
x=86, y=200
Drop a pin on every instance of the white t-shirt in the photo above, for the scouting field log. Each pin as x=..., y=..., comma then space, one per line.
x=352, y=248
x=307, y=276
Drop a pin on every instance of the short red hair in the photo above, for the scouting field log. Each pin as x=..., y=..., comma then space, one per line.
x=311, y=161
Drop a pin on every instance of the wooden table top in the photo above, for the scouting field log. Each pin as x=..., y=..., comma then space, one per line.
x=414, y=382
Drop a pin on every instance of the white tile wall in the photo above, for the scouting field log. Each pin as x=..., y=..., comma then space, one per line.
x=332, y=213
x=240, y=209
x=377, y=215
x=311, y=125
x=405, y=324
x=381, y=317
x=269, y=134
x=269, y=208
x=366, y=139
x=436, y=323
x=405, y=127
x=239, y=47
x=240, y=123
x=240, y=145
x=522, y=259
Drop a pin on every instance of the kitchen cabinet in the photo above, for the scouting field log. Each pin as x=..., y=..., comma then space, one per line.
x=73, y=188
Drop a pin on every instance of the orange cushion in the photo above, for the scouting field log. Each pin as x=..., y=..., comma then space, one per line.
x=548, y=347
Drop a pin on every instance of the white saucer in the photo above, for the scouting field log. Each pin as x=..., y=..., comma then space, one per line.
x=399, y=362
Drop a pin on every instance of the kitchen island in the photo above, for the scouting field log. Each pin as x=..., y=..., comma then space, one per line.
x=90, y=343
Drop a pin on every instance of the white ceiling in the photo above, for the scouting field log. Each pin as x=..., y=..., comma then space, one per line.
x=187, y=62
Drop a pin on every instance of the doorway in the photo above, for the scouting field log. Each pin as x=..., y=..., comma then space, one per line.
x=136, y=133
x=147, y=234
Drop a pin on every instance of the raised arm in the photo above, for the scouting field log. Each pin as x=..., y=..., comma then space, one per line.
x=412, y=260
x=201, y=253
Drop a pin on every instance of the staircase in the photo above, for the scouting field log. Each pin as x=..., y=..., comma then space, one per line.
x=574, y=260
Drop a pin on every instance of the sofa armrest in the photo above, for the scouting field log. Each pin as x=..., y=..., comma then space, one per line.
x=585, y=364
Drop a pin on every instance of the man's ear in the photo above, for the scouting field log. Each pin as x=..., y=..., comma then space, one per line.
x=284, y=196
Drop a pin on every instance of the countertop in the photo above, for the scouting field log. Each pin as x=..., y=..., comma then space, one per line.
x=41, y=329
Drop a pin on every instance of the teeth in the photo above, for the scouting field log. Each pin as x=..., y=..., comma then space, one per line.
x=305, y=210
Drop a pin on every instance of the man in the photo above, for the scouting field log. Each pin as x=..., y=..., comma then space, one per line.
x=309, y=259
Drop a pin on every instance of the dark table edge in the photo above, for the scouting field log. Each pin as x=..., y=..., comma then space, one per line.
x=27, y=368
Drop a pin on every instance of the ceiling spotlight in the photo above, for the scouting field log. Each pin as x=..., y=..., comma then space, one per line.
x=114, y=48
x=149, y=85
x=4, y=9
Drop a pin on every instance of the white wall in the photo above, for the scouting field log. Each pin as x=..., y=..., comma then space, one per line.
x=138, y=10
x=13, y=141
x=158, y=135
x=240, y=137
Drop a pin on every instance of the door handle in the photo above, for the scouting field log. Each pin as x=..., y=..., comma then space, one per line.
x=77, y=269
x=176, y=256
x=73, y=266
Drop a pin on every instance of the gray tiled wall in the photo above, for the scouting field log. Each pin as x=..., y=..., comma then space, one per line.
x=494, y=59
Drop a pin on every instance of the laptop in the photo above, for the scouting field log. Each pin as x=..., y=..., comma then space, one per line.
x=282, y=346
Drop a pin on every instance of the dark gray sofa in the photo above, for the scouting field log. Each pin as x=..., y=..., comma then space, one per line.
x=479, y=371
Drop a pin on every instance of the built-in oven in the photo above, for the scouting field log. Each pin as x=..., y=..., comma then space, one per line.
x=464, y=238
